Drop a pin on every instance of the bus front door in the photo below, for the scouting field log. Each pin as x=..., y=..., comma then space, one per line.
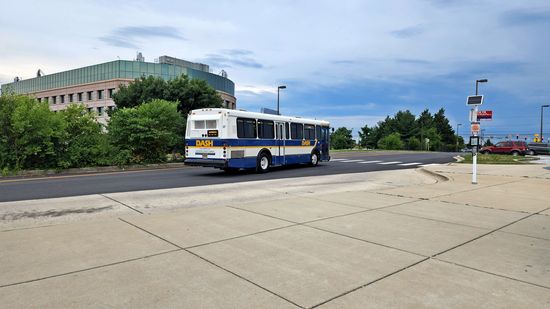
x=281, y=142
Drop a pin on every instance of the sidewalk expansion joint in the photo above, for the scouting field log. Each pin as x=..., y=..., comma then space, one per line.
x=90, y=268
x=488, y=233
x=479, y=206
x=186, y=249
x=371, y=282
x=121, y=203
x=490, y=273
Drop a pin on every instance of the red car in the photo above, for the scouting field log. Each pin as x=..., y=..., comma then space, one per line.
x=510, y=147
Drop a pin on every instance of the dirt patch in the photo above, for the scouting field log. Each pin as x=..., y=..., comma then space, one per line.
x=51, y=213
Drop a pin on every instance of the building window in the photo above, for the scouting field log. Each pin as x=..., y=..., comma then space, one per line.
x=46, y=99
x=79, y=96
x=100, y=111
x=100, y=94
x=110, y=108
x=39, y=100
x=71, y=98
x=111, y=92
x=62, y=99
x=54, y=99
x=89, y=98
x=90, y=109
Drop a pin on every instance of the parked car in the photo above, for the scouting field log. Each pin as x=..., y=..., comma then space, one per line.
x=539, y=148
x=508, y=147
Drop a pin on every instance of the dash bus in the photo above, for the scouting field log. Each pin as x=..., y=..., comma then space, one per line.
x=232, y=139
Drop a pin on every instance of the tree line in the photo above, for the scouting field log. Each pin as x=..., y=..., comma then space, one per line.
x=148, y=124
x=403, y=131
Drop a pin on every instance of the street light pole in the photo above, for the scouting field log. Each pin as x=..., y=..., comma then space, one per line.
x=457, y=125
x=278, y=89
x=541, y=115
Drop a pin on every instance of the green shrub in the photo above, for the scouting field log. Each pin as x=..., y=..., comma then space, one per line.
x=391, y=142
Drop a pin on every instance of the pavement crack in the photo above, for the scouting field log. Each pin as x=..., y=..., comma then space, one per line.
x=121, y=203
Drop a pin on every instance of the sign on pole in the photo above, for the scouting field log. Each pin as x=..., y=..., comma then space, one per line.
x=474, y=100
x=475, y=128
x=487, y=115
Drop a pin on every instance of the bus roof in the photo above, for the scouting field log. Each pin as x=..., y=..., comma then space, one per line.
x=245, y=114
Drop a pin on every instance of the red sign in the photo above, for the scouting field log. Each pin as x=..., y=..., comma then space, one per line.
x=485, y=115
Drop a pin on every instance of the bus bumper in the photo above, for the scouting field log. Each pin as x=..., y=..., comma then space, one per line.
x=217, y=163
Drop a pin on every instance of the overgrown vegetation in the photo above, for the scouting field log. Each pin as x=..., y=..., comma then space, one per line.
x=148, y=124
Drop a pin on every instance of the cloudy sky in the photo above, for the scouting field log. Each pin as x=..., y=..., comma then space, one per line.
x=350, y=62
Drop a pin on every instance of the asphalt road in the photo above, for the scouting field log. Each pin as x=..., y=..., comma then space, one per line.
x=72, y=185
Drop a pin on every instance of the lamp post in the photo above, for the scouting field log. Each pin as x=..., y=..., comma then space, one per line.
x=457, y=125
x=474, y=153
x=481, y=81
x=541, y=115
x=278, y=89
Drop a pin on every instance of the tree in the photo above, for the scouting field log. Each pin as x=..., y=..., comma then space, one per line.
x=145, y=133
x=84, y=143
x=413, y=143
x=192, y=94
x=141, y=90
x=36, y=132
x=391, y=142
x=189, y=93
x=364, y=137
x=342, y=139
x=488, y=143
x=448, y=137
x=434, y=137
x=404, y=124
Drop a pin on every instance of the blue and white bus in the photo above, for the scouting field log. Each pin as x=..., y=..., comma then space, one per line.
x=232, y=139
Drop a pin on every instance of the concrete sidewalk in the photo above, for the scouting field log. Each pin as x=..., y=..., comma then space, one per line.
x=383, y=239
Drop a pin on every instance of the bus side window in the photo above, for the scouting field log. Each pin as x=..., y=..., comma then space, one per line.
x=309, y=131
x=318, y=132
x=246, y=128
x=266, y=129
x=297, y=130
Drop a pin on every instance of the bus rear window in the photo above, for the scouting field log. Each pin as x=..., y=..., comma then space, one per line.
x=246, y=128
x=205, y=124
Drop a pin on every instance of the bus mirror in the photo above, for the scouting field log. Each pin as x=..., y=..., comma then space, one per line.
x=332, y=129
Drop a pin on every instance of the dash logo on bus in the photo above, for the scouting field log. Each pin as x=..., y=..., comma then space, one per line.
x=306, y=143
x=201, y=143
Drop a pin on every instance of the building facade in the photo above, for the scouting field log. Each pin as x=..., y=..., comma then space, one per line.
x=95, y=85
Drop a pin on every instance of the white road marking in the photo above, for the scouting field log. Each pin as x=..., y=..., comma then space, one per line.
x=392, y=162
x=408, y=164
x=369, y=162
x=350, y=161
x=431, y=164
x=337, y=159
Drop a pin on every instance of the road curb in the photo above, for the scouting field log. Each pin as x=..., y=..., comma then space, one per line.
x=438, y=177
x=93, y=170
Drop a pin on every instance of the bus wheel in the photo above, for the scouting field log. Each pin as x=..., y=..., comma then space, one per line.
x=263, y=163
x=314, y=159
